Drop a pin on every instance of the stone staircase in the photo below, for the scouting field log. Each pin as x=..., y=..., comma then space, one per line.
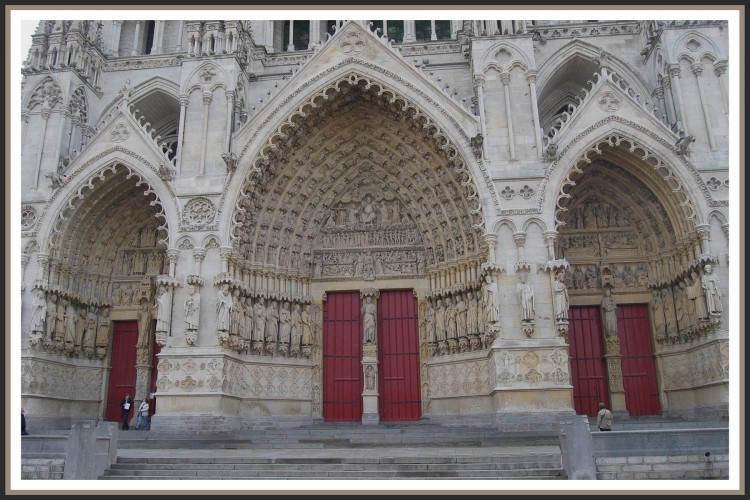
x=390, y=451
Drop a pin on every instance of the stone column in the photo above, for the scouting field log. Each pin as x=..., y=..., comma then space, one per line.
x=136, y=35
x=505, y=78
x=230, y=105
x=704, y=232
x=409, y=30
x=669, y=99
x=181, y=130
x=479, y=81
x=698, y=72
x=370, y=394
x=531, y=78
x=613, y=358
x=156, y=42
x=115, y=40
x=178, y=48
x=491, y=240
x=720, y=70
x=46, y=113
x=207, y=96
x=290, y=45
x=433, y=34
x=549, y=238
x=674, y=71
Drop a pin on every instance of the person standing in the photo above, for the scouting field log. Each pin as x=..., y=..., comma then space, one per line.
x=23, y=423
x=142, y=416
x=604, y=418
x=125, y=406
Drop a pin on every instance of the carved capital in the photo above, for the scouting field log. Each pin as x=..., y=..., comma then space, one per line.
x=720, y=67
x=519, y=238
x=479, y=79
x=505, y=78
x=697, y=69
x=531, y=76
x=674, y=70
x=199, y=254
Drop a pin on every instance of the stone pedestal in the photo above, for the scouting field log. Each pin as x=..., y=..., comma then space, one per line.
x=370, y=410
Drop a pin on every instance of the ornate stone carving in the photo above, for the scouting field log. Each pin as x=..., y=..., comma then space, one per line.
x=198, y=215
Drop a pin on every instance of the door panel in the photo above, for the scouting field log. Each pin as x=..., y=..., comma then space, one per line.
x=587, y=367
x=342, y=357
x=122, y=376
x=638, y=369
x=398, y=352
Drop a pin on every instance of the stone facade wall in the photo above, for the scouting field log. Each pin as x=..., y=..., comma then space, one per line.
x=663, y=467
x=42, y=468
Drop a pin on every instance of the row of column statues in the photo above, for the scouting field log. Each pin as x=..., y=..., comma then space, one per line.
x=261, y=326
x=60, y=324
x=688, y=308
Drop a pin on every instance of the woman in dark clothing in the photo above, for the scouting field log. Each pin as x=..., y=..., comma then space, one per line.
x=125, y=406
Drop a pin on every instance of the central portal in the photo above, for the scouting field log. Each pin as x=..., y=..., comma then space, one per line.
x=398, y=357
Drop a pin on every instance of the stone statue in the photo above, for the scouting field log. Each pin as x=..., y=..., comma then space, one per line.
x=296, y=334
x=370, y=378
x=307, y=331
x=472, y=314
x=103, y=330
x=697, y=296
x=609, y=314
x=272, y=323
x=710, y=283
x=369, y=319
x=562, y=302
x=440, y=321
x=259, y=320
x=236, y=315
x=461, y=316
x=285, y=324
x=429, y=320
x=526, y=296
x=489, y=297
x=450, y=318
x=223, y=309
x=145, y=319
x=657, y=315
x=192, y=309
x=163, y=311
x=367, y=215
x=38, y=315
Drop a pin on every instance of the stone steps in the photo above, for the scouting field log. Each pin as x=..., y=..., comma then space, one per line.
x=308, y=468
x=420, y=450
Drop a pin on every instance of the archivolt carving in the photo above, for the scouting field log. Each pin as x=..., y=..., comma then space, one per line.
x=65, y=214
x=648, y=157
x=352, y=78
x=314, y=182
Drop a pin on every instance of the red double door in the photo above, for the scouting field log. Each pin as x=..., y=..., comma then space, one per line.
x=587, y=362
x=398, y=356
x=123, y=373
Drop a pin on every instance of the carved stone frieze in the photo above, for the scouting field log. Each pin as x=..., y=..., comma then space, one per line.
x=80, y=383
x=523, y=368
x=459, y=379
x=696, y=368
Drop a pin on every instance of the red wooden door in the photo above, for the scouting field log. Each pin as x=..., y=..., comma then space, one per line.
x=587, y=360
x=398, y=352
x=342, y=357
x=122, y=375
x=638, y=370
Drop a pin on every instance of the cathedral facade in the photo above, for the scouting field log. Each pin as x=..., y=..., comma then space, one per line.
x=373, y=221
